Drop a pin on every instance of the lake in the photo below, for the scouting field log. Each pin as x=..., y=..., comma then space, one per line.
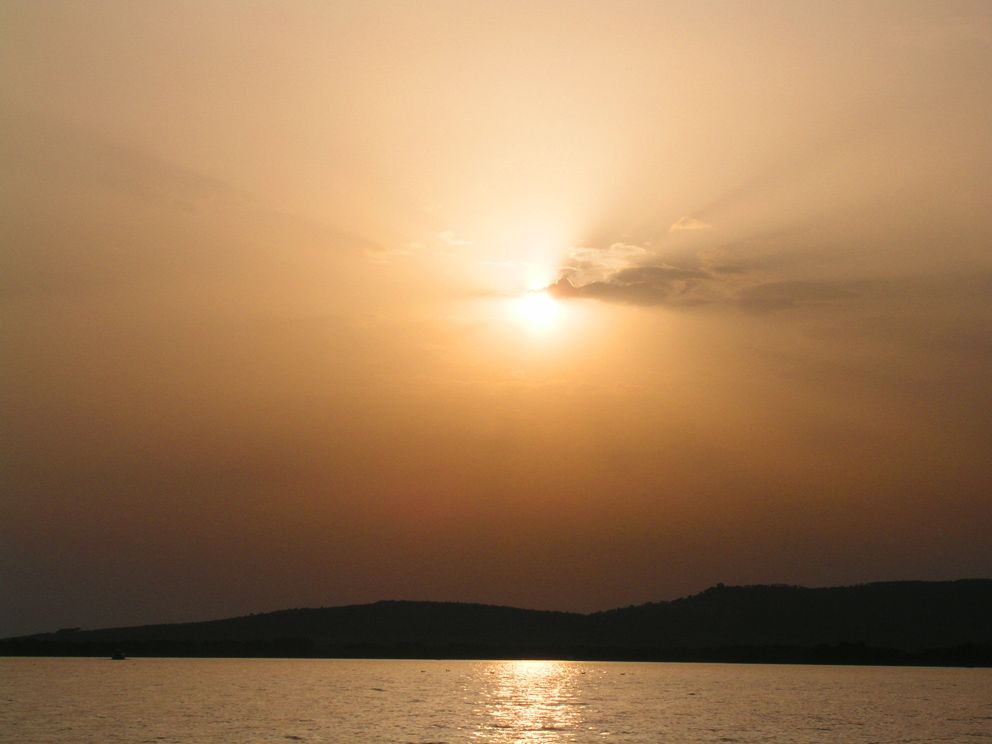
x=79, y=701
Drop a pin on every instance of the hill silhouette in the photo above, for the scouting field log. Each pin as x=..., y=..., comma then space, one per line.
x=893, y=623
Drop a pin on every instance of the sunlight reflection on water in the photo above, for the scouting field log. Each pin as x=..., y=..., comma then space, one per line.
x=532, y=701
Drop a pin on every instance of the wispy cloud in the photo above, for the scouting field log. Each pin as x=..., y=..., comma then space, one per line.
x=688, y=223
x=450, y=238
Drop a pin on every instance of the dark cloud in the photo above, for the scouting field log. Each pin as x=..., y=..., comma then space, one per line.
x=755, y=276
x=639, y=285
x=772, y=296
x=655, y=275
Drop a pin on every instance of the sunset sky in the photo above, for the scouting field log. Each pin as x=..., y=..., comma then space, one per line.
x=273, y=334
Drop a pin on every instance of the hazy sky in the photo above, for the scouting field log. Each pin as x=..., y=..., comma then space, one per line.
x=269, y=334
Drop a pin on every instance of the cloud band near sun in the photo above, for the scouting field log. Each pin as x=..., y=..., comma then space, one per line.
x=628, y=274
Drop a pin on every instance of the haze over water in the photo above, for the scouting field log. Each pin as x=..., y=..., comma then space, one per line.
x=96, y=701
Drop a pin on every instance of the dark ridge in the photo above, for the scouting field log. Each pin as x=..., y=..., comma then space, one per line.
x=909, y=622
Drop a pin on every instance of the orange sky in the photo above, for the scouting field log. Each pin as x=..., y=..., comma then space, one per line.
x=268, y=335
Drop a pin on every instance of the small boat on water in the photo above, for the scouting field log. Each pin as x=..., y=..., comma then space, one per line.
x=118, y=655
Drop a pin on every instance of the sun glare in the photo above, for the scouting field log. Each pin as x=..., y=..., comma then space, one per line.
x=536, y=311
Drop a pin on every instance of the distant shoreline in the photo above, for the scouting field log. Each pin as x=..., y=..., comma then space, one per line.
x=911, y=623
x=966, y=656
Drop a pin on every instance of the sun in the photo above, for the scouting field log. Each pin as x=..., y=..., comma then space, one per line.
x=536, y=311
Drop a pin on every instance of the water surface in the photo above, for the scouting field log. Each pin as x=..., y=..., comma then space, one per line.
x=79, y=701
